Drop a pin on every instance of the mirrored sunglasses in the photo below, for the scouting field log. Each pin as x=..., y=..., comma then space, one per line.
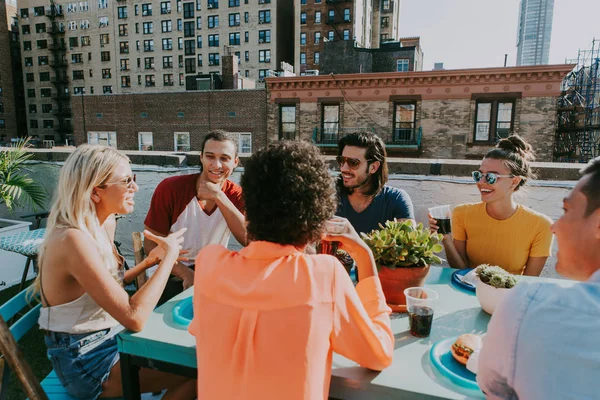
x=490, y=177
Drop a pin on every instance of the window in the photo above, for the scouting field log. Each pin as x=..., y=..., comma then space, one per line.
x=331, y=36
x=188, y=10
x=188, y=29
x=199, y=60
x=103, y=138
x=42, y=44
x=199, y=23
x=234, y=3
x=493, y=120
x=213, y=21
x=386, y=4
x=247, y=56
x=303, y=38
x=346, y=15
x=45, y=92
x=123, y=47
x=264, y=16
x=86, y=41
x=246, y=17
x=145, y=141
x=106, y=73
x=264, y=36
x=104, y=38
x=302, y=58
x=125, y=81
x=26, y=29
x=123, y=30
x=167, y=26
x=244, y=142
x=180, y=43
x=234, y=19
x=213, y=4
x=213, y=59
x=124, y=64
x=105, y=56
x=147, y=28
x=234, y=39
x=303, y=2
x=79, y=90
x=27, y=45
x=287, y=124
x=47, y=108
x=102, y=22
x=29, y=77
x=404, y=121
x=190, y=47
x=331, y=16
x=48, y=124
x=167, y=44
x=264, y=56
x=165, y=7
x=28, y=61
x=40, y=28
x=102, y=3
x=148, y=45
x=318, y=17
x=38, y=11
x=146, y=10
x=43, y=60
x=182, y=141
x=303, y=18
x=32, y=109
x=330, y=123
x=149, y=63
x=317, y=37
x=179, y=25
x=168, y=80
x=33, y=123
x=190, y=66
x=150, y=80
x=77, y=75
x=385, y=22
x=246, y=36
x=346, y=34
x=168, y=62
x=317, y=57
x=2, y=121
x=24, y=13
x=199, y=42
x=198, y=5
x=121, y=12
x=213, y=40
x=44, y=76
x=76, y=58
x=402, y=65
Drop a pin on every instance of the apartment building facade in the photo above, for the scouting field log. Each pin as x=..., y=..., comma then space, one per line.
x=365, y=23
x=101, y=47
x=8, y=109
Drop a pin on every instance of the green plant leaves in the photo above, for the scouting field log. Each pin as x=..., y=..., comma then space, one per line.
x=401, y=244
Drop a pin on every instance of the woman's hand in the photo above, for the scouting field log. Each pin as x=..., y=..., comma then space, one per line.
x=348, y=238
x=433, y=226
x=169, y=245
x=158, y=254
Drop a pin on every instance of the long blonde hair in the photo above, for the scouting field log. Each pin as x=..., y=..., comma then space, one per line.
x=88, y=167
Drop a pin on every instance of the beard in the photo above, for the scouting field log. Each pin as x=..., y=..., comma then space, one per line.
x=350, y=189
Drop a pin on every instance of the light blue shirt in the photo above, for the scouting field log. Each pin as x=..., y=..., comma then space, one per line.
x=543, y=342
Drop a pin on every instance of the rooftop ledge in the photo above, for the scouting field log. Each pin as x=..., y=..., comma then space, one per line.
x=406, y=166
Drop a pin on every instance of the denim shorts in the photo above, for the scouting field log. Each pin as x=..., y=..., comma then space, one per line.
x=82, y=362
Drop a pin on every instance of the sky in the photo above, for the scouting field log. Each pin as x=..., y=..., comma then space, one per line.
x=477, y=33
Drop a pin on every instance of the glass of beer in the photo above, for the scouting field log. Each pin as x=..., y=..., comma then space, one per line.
x=442, y=216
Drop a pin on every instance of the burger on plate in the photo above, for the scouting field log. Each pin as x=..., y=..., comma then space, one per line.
x=464, y=346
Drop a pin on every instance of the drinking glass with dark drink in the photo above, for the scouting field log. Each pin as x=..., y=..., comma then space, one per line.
x=442, y=216
x=333, y=226
x=420, y=304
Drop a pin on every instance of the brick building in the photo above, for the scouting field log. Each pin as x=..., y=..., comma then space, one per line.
x=343, y=57
x=170, y=121
x=8, y=109
x=432, y=114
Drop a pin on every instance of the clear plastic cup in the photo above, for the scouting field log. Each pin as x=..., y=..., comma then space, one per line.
x=420, y=304
x=335, y=226
x=442, y=216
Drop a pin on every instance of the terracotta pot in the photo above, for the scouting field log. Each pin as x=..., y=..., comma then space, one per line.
x=394, y=281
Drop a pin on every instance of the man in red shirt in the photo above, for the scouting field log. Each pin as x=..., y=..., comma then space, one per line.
x=208, y=204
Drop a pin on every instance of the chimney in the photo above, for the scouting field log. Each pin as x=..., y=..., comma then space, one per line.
x=229, y=70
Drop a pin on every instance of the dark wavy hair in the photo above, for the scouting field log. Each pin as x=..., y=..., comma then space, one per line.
x=517, y=155
x=219, y=135
x=288, y=193
x=375, y=152
x=591, y=189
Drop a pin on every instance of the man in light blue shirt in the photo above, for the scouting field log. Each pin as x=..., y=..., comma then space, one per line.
x=543, y=341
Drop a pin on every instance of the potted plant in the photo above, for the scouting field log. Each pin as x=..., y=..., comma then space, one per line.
x=492, y=285
x=16, y=189
x=403, y=253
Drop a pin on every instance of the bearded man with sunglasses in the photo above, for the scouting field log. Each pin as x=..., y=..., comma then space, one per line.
x=364, y=198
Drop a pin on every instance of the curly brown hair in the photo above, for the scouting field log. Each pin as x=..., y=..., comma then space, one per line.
x=288, y=193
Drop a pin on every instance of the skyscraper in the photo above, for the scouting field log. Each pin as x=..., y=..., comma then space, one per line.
x=534, y=31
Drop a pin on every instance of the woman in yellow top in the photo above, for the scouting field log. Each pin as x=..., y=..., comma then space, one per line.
x=498, y=231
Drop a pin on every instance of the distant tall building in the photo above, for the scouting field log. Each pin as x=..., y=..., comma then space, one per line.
x=534, y=31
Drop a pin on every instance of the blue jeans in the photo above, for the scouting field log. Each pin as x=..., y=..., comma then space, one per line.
x=82, y=362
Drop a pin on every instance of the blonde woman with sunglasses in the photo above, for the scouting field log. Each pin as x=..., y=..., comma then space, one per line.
x=497, y=230
x=81, y=278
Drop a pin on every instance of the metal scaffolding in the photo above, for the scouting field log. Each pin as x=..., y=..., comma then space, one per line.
x=578, y=128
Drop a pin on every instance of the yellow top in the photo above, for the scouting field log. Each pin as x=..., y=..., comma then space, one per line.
x=507, y=243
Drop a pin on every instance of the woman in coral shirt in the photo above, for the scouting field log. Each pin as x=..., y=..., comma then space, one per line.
x=269, y=317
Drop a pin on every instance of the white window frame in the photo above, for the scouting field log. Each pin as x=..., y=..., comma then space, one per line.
x=176, y=145
x=402, y=61
x=110, y=138
x=246, y=136
x=142, y=144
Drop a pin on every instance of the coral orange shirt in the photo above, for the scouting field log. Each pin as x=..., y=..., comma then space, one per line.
x=268, y=318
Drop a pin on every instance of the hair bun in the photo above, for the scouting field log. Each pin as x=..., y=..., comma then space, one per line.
x=516, y=144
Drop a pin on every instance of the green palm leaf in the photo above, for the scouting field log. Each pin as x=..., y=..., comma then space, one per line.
x=16, y=187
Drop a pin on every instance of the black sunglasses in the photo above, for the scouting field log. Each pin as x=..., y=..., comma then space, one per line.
x=490, y=177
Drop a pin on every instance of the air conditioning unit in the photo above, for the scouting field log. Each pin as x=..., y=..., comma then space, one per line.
x=261, y=41
x=311, y=72
x=180, y=65
x=211, y=63
x=261, y=21
x=210, y=6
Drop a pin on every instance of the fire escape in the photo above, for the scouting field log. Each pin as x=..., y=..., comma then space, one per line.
x=61, y=97
x=339, y=18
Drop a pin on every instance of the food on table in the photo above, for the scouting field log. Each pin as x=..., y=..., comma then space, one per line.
x=464, y=346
